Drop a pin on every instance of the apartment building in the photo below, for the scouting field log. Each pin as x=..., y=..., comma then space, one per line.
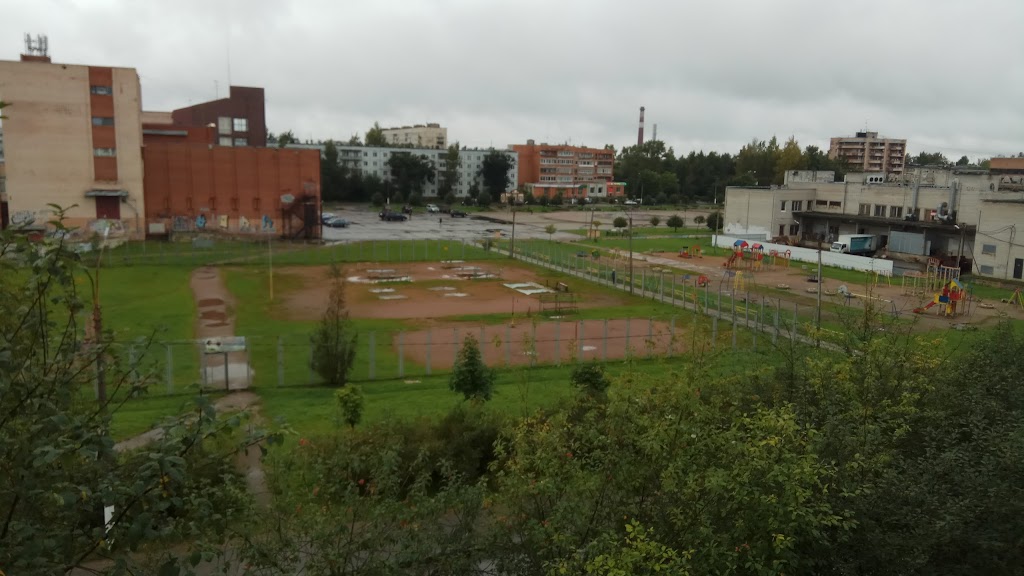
x=866, y=152
x=432, y=136
x=963, y=215
x=73, y=137
x=563, y=164
x=374, y=160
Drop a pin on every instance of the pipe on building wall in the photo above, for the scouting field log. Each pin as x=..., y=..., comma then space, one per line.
x=953, y=196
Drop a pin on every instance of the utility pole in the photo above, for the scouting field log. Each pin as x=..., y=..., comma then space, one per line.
x=817, y=313
x=630, y=253
x=960, y=251
x=270, y=266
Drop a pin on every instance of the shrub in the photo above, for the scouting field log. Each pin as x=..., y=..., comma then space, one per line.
x=377, y=199
x=590, y=378
x=715, y=221
x=675, y=222
x=620, y=222
x=470, y=376
x=655, y=221
x=350, y=405
x=334, y=341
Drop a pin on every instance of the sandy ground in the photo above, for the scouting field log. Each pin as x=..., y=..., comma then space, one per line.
x=522, y=342
x=888, y=293
x=431, y=291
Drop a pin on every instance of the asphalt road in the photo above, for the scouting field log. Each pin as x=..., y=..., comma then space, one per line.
x=367, y=225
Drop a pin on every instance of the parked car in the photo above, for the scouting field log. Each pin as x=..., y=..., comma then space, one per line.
x=458, y=214
x=631, y=202
x=389, y=216
x=327, y=216
x=336, y=223
x=433, y=209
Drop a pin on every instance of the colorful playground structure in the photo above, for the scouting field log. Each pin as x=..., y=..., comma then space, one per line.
x=753, y=258
x=949, y=300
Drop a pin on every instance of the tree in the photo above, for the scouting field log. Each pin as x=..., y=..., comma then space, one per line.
x=59, y=466
x=655, y=221
x=450, y=198
x=409, y=172
x=332, y=174
x=483, y=199
x=699, y=219
x=550, y=229
x=334, y=340
x=377, y=199
x=963, y=161
x=985, y=164
x=590, y=378
x=350, y=404
x=354, y=140
x=375, y=136
x=620, y=222
x=715, y=221
x=450, y=175
x=675, y=222
x=930, y=159
x=494, y=173
x=790, y=158
x=285, y=138
x=474, y=192
x=470, y=376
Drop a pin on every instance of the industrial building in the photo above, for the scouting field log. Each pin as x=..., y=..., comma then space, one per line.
x=73, y=138
x=563, y=164
x=965, y=216
x=432, y=136
x=866, y=152
x=239, y=119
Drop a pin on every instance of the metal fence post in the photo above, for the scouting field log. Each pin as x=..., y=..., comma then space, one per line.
x=280, y=361
x=775, y=336
x=714, y=332
x=401, y=354
x=558, y=342
x=672, y=336
x=746, y=310
x=310, y=378
x=733, y=331
x=455, y=345
x=169, y=370
x=580, y=339
x=604, y=354
x=796, y=306
x=372, y=370
x=508, y=345
x=429, y=346
x=643, y=282
x=650, y=337
x=629, y=324
x=533, y=339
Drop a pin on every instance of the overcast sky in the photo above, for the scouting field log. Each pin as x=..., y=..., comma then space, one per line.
x=946, y=75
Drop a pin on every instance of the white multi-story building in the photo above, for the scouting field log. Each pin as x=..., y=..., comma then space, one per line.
x=374, y=160
x=418, y=136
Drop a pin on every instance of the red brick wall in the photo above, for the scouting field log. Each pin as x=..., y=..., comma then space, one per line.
x=102, y=105
x=185, y=181
x=243, y=102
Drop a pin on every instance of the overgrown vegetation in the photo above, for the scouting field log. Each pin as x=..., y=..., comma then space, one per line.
x=334, y=341
x=470, y=376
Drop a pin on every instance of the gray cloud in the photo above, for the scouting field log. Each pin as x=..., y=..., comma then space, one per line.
x=944, y=74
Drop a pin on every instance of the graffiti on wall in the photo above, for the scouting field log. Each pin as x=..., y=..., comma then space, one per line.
x=201, y=222
x=1011, y=183
x=243, y=224
x=267, y=224
x=23, y=218
x=181, y=224
x=105, y=226
x=222, y=221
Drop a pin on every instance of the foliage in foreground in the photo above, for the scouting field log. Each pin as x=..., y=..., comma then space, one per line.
x=59, y=466
x=334, y=341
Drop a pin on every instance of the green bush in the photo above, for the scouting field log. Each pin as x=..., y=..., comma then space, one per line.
x=470, y=376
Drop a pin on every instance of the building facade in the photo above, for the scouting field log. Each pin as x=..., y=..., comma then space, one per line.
x=194, y=187
x=374, y=160
x=866, y=152
x=431, y=136
x=563, y=164
x=239, y=119
x=73, y=137
x=951, y=215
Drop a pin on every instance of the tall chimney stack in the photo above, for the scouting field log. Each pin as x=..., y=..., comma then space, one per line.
x=640, y=133
x=655, y=135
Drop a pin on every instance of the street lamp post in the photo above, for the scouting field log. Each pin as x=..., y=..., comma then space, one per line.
x=512, y=243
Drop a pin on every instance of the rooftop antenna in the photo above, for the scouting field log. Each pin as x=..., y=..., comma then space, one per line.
x=38, y=46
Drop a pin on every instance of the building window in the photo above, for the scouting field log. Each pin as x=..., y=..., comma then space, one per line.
x=794, y=229
x=782, y=206
x=225, y=141
x=820, y=203
x=798, y=205
x=988, y=249
x=224, y=125
x=836, y=204
x=896, y=212
x=987, y=270
x=101, y=90
x=106, y=152
x=102, y=121
x=240, y=124
x=241, y=141
x=880, y=210
x=864, y=209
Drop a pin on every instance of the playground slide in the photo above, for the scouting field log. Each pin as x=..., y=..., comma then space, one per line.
x=925, y=307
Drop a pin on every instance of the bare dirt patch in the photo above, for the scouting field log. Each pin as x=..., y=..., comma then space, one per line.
x=521, y=343
x=427, y=290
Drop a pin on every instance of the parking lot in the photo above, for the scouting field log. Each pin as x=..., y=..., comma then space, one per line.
x=365, y=224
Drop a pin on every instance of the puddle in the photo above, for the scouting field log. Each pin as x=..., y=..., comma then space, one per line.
x=455, y=295
x=392, y=297
x=588, y=348
x=442, y=288
x=381, y=290
x=528, y=288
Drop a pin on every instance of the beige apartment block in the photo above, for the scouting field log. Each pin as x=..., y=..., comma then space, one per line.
x=419, y=136
x=867, y=152
x=73, y=138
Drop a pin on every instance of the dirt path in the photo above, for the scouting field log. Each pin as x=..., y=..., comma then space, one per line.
x=215, y=320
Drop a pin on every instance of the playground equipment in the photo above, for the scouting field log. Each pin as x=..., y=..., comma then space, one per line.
x=915, y=284
x=558, y=303
x=776, y=258
x=948, y=298
x=735, y=280
x=939, y=275
x=1015, y=298
x=703, y=281
x=696, y=252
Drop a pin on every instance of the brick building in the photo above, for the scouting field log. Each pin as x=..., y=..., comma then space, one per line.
x=866, y=152
x=563, y=165
x=72, y=138
x=239, y=119
x=192, y=186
